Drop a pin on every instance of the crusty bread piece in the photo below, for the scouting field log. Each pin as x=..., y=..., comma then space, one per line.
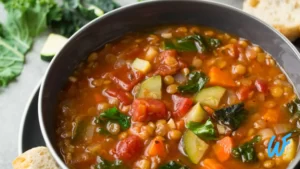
x=284, y=15
x=36, y=158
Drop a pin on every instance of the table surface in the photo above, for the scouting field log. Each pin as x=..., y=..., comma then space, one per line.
x=14, y=98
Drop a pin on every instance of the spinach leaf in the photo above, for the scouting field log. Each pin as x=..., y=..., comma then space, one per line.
x=196, y=81
x=205, y=131
x=231, y=116
x=105, y=164
x=294, y=106
x=113, y=114
x=76, y=13
x=246, y=152
x=173, y=165
x=193, y=43
x=25, y=20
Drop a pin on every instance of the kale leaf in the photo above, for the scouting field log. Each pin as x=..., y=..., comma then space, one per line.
x=193, y=43
x=173, y=165
x=25, y=20
x=74, y=14
x=113, y=114
x=205, y=131
x=231, y=116
x=294, y=106
x=246, y=152
x=105, y=164
x=196, y=81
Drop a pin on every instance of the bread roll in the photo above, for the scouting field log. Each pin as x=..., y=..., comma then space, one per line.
x=36, y=158
x=284, y=15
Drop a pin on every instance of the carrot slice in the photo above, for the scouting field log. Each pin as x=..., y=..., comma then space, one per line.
x=211, y=164
x=223, y=148
x=157, y=147
x=221, y=78
x=272, y=115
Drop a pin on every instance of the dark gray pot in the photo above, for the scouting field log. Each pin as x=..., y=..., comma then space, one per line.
x=149, y=14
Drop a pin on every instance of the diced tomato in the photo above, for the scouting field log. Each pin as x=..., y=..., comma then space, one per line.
x=168, y=53
x=144, y=110
x=181, y=105
x=243, y=93
x=129, y=148
x=168, y=64
x=261, y=86
x=120, y=94
x=128, y=81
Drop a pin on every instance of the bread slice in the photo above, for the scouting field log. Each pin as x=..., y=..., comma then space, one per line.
x=284, y=15
x=36, y=158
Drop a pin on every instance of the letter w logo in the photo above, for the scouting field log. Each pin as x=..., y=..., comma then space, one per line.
x=275, y=150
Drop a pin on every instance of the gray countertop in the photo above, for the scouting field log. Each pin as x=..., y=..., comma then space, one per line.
x=14, y=98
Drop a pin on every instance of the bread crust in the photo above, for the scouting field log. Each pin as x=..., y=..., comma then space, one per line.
x=271, y=11
x=36, y=158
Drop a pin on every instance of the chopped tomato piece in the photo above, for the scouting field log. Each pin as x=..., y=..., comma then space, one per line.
x=181, y=105
x=168, y=64
x=120, y=94
x=223, y=148
x=261, y=86
x=126, y=82
x=243, y=93
x=129, y=148
x=144, y=110
x=168, y=53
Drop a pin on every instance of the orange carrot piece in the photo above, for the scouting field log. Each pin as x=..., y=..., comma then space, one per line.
x=223, y=148
x=157, y=147
x=272, y=115
x=209, y=110
x=211, y=164
x=221, y=78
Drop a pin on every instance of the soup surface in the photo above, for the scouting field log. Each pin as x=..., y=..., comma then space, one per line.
x=177, y=97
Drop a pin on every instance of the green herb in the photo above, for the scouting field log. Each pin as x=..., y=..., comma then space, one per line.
x=246, y=152
x=205, y=131
x=25, y=20
x=113, y=114
x=173, y=165
x=231, y=116
x=193, y=43
x=74, y=14
x=294, y=106
x=196, y=81
x=105, y=164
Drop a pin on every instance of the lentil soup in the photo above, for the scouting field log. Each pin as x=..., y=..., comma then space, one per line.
x=187, y=97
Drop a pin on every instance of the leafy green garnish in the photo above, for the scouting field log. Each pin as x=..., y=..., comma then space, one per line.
x=246, y=152
x=196, y=81
x=205, y=131
x=193, y=43
x=294, y=106
x=105, y=164
x=74, y=14
x=25, y=20
x=231, y=116
x=173, y=165
x=113, y=114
